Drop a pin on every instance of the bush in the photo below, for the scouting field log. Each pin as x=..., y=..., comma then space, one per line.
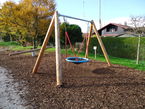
x=6, y=38
x=124, y=47
x=74, y=32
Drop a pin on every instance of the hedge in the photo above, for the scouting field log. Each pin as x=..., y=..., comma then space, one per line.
x=123, y=47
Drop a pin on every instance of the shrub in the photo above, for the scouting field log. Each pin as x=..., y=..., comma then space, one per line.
x=74, y=32
x=124, y=47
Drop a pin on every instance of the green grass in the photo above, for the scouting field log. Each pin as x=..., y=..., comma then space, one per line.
x=9, y=44
x=114, y=60
x=50, y=50
x=122, y=61
x=14, y=46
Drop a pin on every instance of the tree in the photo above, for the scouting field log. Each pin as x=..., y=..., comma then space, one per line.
x=14, y=21
x=138, y=23
x=139, y=28
x=27, y=20
x=42, y=10
x=74, y=32
x=5, y=17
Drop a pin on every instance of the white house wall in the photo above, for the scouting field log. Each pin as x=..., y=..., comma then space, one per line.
x=119, y=31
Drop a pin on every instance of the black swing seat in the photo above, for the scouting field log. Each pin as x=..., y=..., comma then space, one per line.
x=77, y=60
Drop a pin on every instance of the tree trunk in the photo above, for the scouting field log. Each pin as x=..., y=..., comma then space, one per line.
x=138, y=50
x=35, y=40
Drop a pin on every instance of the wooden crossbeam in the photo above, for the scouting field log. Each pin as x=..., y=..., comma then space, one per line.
x=22, y=52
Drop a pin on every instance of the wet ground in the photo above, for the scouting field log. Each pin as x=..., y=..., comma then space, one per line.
x=91, y=85
x=9, y=94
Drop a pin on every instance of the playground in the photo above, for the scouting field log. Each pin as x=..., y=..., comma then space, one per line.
x=61, y=60
x=53, y=80
x=89, y=85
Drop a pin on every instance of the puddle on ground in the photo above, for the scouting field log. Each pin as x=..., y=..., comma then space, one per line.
x=9, y=94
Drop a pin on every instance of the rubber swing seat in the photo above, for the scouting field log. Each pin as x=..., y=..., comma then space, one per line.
x=77, y=60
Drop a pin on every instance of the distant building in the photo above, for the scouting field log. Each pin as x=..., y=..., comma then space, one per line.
x=116, y=30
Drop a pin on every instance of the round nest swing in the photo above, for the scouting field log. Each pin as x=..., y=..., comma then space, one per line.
x=77, y=60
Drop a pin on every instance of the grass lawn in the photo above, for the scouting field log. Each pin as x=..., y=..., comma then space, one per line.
x=14, y=46
x=114, y=60
x=7, y=44
x=122, y=61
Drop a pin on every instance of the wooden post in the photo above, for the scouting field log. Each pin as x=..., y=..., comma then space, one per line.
x=49, y=31
x=101, y=44
x=88, y=41
x=22, y=52
x=58, y=55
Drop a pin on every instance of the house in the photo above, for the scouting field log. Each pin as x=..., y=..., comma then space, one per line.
x=115, y=30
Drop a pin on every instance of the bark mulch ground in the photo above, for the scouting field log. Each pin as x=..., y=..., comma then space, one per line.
x=91, y=85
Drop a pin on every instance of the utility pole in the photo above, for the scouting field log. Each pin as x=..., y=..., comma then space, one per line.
x=83, y=8
x=100, y=23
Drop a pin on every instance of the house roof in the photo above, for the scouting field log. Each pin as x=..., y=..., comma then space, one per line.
x=119, y=25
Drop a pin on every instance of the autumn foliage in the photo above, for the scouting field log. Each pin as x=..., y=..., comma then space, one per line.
x=26, y=21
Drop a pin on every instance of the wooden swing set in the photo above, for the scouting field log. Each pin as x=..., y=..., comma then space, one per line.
x=54, y=24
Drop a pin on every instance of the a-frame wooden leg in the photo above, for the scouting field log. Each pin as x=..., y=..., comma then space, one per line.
x=58, y=54
x=101, y=44
x=49, y=32
x=88, y=41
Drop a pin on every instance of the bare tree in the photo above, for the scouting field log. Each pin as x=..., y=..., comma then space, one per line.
x=138, y=23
